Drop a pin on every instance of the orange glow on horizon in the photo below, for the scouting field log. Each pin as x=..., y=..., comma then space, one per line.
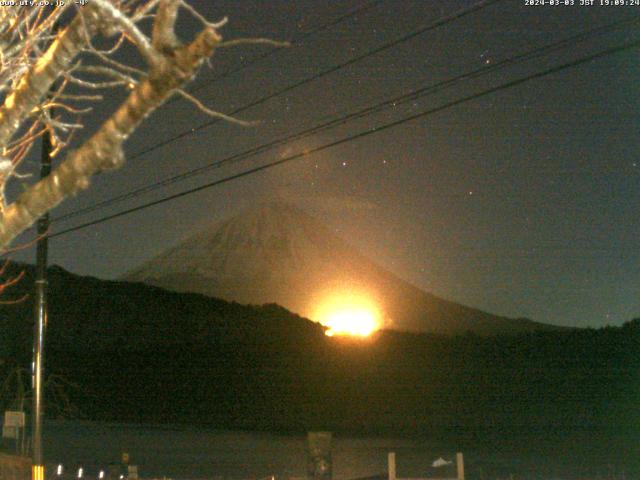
x=348, y=314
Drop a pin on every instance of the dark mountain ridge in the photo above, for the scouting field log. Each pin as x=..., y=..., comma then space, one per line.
x=276, y=253
x=143, y=354
x=164, y=356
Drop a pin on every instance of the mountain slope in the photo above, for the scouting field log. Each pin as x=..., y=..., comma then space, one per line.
x=136, y=353
x=278, y=254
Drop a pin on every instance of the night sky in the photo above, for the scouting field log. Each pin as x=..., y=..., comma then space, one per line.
x=524, y=202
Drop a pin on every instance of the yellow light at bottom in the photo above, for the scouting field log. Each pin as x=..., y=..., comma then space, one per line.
x=348, y=314
x=351, y=322
x=37, y=472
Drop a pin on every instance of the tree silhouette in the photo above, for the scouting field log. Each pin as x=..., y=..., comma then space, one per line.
x=51, y=69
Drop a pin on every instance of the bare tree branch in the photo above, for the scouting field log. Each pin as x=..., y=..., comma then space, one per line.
x=37, y=81
x=103, y=150
x=42, y=73
x=213, y=113
x=253, y=41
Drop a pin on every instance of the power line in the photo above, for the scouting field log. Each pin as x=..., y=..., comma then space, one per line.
x=257, y=58
x=399, y=100
x=438, y=23
x=359, y=135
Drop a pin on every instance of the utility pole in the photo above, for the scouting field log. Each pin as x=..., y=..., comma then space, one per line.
x=40, y=321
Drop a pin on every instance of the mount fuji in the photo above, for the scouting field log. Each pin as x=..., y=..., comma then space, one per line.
x=276, y=253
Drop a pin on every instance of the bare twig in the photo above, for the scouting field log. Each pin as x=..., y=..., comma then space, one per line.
x=215, y=25
x=68, y=108
x=80, y=98
x=114, y=18
x=94, y=85
x=107, y=72
x=213, y=113
x=254, y=41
